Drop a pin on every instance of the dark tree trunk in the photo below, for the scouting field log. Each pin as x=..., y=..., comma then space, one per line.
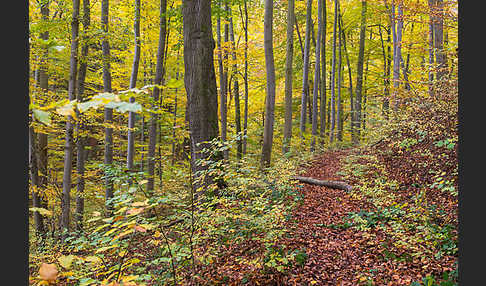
x=245, y=120
x=288, y=77
x=316, y=75
x=34, y=180
x=322, y=129
x=239, y=147
x=339, y=82
x=159, y=67
x=431, y=46
x=270, y=98
x=359, y=76
x=439, y=40
x=224, y=95
x=133, y=84
x=200, y=84
x=350, y=88
x=108, y=158
x=81, y=142
x=333, y=75
x=68, y=146
x=305, y=80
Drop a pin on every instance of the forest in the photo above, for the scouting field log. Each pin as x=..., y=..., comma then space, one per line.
x=243, y=142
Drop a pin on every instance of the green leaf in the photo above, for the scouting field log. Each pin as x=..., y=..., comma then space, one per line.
x=42, y=116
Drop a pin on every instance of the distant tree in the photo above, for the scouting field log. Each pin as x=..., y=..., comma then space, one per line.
x=288, y=76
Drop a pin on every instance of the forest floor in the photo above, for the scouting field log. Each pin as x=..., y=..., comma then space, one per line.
x=406, y=243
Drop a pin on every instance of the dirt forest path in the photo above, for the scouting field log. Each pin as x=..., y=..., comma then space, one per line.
x=339, y=256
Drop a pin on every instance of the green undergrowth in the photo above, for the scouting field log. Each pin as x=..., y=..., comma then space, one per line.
x=171, y=237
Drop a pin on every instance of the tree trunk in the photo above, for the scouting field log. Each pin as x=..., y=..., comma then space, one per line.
x=322, y=129
x=239, y=147
x=200, y=84
x=316, y=75
x=133, y=84
x=68, y=146
x=439, y=40
x=159, y=67
x=34, y=180
x=108, y=157
x=333, y=74
x=270, y=98
x=359, y=77
x=224, y=95
x=305, y=80
x=80, y=144
x=397, y=52
x=431, y=46
x=245, y=120
x=288, y=77
x=339, y=82
x=350, y=88
x=330, y=184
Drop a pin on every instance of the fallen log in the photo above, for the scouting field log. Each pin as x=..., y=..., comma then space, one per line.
x=330, y=184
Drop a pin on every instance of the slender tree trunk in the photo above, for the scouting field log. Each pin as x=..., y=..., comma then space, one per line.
x=81, y=142
x=359, y=76
x=333, y=74
x=431, y=46
x=68, y=146
x=270, y=98
x=339, y=82
x=43, y=79
x=239, y=147
x=299, y=37
x=386, y=73
x=224, y=95
x=108, y=158
x=155, y=95
x=34, y=179
x=397, y=52
x=133, y=84
x=316, y=75
x=288, y=76
x=245, y=120
x=322, y=129
x=200, y=84
x=439, y=40
x=305, y=80
x=350, y=88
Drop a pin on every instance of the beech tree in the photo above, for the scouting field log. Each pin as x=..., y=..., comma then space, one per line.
x=270, y=98
x=288, y=76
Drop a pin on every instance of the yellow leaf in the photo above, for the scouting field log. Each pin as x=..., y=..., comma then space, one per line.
x=48, y=272
x=93, y=259
x=66, y=260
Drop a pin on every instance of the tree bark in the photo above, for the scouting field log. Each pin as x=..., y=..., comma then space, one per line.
x=322, y=128
x=287, y=134
x=333, y=75
x=202, y=94
x=239, y=147
x=68, y=146
x=81, y=141
x=359, y=77
x=431, y=46
x=339, y=82
x=245, y=120
x=34, y=179
x=159, y=67
x=439, y=40
x=316, y=75
x=350, y=88
x=133, y=84
x=305, y=80
x=330, y=184
x=270, y=98
x=108, y=119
